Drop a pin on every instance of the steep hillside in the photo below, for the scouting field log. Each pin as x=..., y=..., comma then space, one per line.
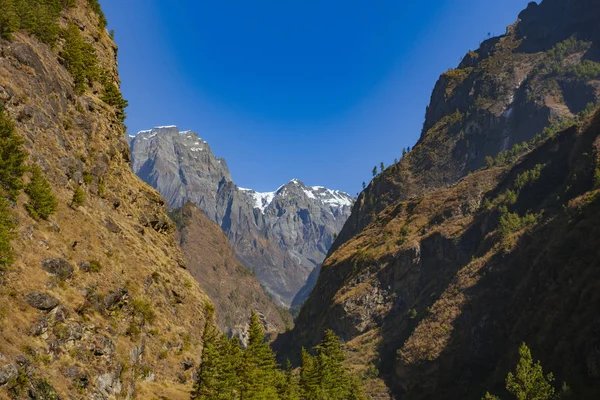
x=231, y=287
x=484, y=235
x=439, y=291
x=97, y=303
x=281, y=236
x=532, y=79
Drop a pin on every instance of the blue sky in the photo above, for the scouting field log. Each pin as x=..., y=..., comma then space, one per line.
x=316, y=90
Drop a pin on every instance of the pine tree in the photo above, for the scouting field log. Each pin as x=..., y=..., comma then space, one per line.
x=335, y=382
x=7, y=225
x=403, y=152
x=42, y=202
x=290, y=389
x=12, y=157
x=309, y=377
x=229, y=368
x=208, y=378
x=79, y=57
x=364, y=185
x=529, y=381
x=259, y=373
x=381, y=166
x=78, y=197
x=9, y=21
x=375, y=171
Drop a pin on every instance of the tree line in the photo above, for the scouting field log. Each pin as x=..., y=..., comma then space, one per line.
x=227, y=371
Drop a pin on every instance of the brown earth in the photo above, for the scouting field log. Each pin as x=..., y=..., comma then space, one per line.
x=131, y=325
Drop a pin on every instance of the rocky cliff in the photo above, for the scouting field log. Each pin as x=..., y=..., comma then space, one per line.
x=540, y=74
x=483, y=236
x=233, y=289
x=280, y=236
x=97, y=302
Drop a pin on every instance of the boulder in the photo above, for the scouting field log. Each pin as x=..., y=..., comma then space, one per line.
x=111, y=225
x=114, y=297
x=58, y=267
x=41, y=301
x=8, y=372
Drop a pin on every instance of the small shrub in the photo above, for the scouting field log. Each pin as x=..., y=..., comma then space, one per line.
x=42, y=202
x=95, y=266
x=101, y=187
x=88, y=178
x=132, y=330
x=163, y=354
x=78, y=197
x=143, y=310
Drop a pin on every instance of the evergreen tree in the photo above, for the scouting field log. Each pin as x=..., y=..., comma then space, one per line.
x=290, y=389
x=79, y=57
x=78, y=197
x=364, y=185
x=12, y=157
x=9, y=21
x=335, y=382
x=375, y=171
x=207, y=383
x=229, y=368
x=7, y=225
x=309, y=377
x=42, y=202
x=529, y=381
x=403, y=152
x=381, y=166
x=259, y=373
x=408, y=149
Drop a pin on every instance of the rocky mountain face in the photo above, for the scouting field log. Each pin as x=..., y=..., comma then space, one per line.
x=97, y=302
x=470, y=245
x=280, y=236
x=541, y=73
x=233, y=289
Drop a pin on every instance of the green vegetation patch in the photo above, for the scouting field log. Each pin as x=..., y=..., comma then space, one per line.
x=79, y=57
x=42, y=202
x=227, y=371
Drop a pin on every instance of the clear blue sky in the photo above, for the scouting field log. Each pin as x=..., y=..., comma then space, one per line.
x=316, y=90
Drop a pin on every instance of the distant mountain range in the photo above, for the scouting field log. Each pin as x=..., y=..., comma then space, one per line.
x=281, y=235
